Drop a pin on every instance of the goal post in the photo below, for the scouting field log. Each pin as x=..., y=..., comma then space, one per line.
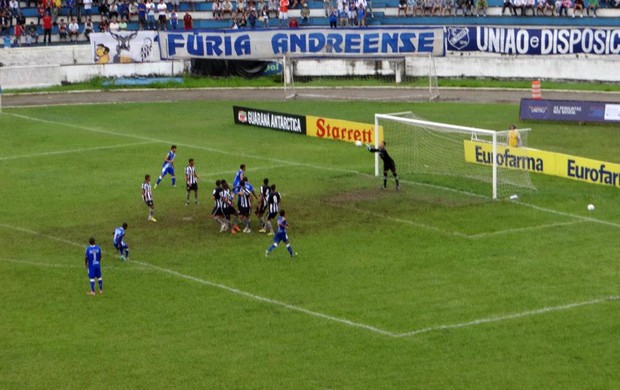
x=411, y=78
x=460, y=157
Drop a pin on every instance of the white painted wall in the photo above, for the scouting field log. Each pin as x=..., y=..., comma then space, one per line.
x=48, y=66
x=570, y=67
x=46, y=55
x=39, y=76
x=81, y=73
x=35, y=76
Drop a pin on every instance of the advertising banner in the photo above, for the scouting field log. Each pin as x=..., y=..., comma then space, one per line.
x=270, y=119
x=569, y=110
x=549, y=163
x=342, y=130
x=533, y=41
x=311, y=42
x=124, y=47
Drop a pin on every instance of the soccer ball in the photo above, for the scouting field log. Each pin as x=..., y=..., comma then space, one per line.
x=358, y=143
x=590, y=207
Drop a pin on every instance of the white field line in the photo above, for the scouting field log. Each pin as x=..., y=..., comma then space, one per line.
x=457, y=233
x=79, y=150
x=565, y=214
x=270, y=301
x=507, y=317
x=273, y=166
x=523, y=229
x=275, y=160
x=35, y=233
x=403, y=221
x=321, y=167
x=343, y=320
x=150, y=139
x=138, y=267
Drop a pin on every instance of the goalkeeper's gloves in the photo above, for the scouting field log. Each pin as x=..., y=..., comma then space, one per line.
x=368, y=147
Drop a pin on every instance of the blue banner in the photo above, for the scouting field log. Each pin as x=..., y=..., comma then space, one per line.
x=569, y=110
x=533, y=41
x=311, y=42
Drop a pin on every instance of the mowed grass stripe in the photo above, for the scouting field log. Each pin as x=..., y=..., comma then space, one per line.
x=296, y=163
x=72, y=151
x=236, y=291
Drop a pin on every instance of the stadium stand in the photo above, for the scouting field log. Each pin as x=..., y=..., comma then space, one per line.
x=378, y=13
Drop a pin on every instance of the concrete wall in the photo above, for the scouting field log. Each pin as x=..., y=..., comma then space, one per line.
x=80, y=73
x=22, y=67
x=569, y=67
x=35, y=76
x=38, y=76
x=58, y=55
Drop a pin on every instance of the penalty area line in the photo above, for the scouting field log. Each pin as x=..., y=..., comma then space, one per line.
x=328, y=317
x=270, y=301
x=523, y=229
x=508, y=317
x=138, y=267
x=224, y=287
x=79, y=150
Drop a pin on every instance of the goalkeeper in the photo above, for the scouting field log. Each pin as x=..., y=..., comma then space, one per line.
x=388, y=163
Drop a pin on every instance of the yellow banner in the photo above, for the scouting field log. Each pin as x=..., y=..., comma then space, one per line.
x=321, y=127
x=549, y=163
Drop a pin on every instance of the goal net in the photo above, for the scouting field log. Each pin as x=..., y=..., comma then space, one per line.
x=382, y=79
x=467, y=159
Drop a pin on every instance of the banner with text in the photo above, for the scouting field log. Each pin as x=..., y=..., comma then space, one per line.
x=532, y=41
x=311, y=42
x=124, y=47
x=569, y=110
x=270, y=119
x=342, y=130
x=549, y=163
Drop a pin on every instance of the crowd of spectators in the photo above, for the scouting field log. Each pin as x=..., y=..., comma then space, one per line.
x=72, y=19
x=514, y=7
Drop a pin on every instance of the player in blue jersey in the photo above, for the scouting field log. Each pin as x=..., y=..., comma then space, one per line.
x=168, y=167
x=119, y=242
x=92, y=261
x=281, y=235
x=238, y=177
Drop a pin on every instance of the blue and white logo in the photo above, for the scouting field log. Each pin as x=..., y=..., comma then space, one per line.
x=458, y=37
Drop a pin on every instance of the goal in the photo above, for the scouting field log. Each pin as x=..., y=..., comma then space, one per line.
x=467, y=159
x=382, y=79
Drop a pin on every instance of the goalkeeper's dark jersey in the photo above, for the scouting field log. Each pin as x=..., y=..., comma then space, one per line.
x=388, y=163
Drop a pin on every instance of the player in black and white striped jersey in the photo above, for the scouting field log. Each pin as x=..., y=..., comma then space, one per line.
x=147, y=197
x=261, y=208
x=229, y=208
x=191, y=181
x=218, y=209
x=245, y=194
x=274, y=206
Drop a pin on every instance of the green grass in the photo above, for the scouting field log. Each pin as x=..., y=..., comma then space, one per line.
x=364, y=256
x=275, y=81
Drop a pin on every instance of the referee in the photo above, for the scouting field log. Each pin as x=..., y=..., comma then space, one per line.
x=388, y=163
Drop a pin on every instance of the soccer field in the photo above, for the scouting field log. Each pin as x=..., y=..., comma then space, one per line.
x=434, y=286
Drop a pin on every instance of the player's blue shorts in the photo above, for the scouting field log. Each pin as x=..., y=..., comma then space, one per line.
x=94, y=271
x=167, y=170
x=280, y=236
x=120, y=245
